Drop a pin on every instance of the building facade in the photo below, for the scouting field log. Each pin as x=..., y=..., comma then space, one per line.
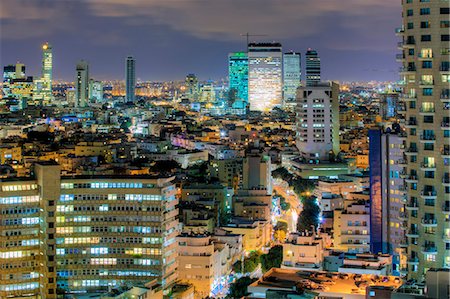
x=43, y=86
x=82, y=84
x=291, y=78
x=387, y=191
x=425, y=73
x=312, y=67
x=130, y=79
x=265, y=76
x=86, y=233
x=238, y=75
x=317, y=136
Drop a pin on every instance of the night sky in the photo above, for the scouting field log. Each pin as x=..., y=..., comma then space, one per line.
x=170, y=38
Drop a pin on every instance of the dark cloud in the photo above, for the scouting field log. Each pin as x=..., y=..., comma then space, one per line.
x=172, y=37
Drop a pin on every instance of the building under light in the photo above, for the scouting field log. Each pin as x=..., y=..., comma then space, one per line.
x=43, y=86
x=265, y=77
x=291, y=78
x=312, y=67
x=238, y=76
x=85, y=233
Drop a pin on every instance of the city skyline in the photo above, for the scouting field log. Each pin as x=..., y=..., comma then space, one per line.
x=138, y=28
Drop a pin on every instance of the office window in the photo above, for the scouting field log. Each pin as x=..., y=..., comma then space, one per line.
x=425, y=11
x=427, y=64
x=425, y=24
x=425, y=38
x=427, y=92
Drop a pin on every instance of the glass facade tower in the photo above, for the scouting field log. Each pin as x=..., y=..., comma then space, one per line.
x=291, y=78
x=238, y=75
x=265, y=76
x=130, y=79
x=312, y=67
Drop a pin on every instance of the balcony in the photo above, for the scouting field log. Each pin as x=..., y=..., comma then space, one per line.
x=427, y=138
x=446, y=209
x=427, y=56
x=413, y=261
x=403, y=175
x=425, y=84
x=446, y=238
x=428, y=111
x=427, y=167
x=445, y=125
x=428, y=194
x=412, y=206
x=399, y=57
x=412, y=123
x=412, y=233
x=401, y=110
x=399, y=31
x=446, y=181
x=446, y=106
x=400, y=45
x=411, y=179
x=445, y=153
x=445, y=70
x=403, y=216
x=430, y=222
x=403, y=243
x=427, y=249
x=401, y=162
x=407, y=70
x=408, y=98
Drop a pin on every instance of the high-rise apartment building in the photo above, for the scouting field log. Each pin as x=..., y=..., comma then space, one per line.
x=389, y=105
x=82, y=84
x=265, y=77
x=312, y=67
x=130, y=79
x=238, y=75
x=95, y=90
x=43, y=86
x=387, y=190
x=318, y=122
x=85, y=233
x=426, y=76
x=192, y=88
x=291, y=78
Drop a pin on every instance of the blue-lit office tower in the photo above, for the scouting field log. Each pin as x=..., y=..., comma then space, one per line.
x=130, y=79
x=387, y=191
x=312, y=67
x=291, y=78
x=238, y=76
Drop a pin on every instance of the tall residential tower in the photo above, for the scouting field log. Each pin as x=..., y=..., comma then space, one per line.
x=82, y=84
x=130, y=79
x=43, y=86
x=426, y=93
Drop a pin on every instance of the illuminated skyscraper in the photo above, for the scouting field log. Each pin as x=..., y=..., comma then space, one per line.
x=95, y=90
x=192, y=89
x=238, y=75
x=291, y=78
x=43, y=86
x=426, y=94
x=265, y=77
x=312, y=67
x=130, y=79
x=82, y=84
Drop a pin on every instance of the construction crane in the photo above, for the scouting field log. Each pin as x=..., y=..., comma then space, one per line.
x=248, y=35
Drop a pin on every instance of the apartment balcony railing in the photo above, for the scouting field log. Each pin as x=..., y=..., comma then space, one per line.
x=399, y=30
x=426, y=193
x=429, y=249
x=412, y=205
x=429, y=221
x=427, y=110
x=411, y=122
x=399, y=56
x=444, y=69
x=427, y=165
x=445, y=152
x=407, y=69
x=445, y=209
x=412, y=233
x=411, y=179
x=428, y=137
x=426, y=83
x=445, y=124
x=425, y=56
x=413, y=260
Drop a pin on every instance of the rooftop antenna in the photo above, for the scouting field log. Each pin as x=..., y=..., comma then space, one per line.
x=248, y=35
